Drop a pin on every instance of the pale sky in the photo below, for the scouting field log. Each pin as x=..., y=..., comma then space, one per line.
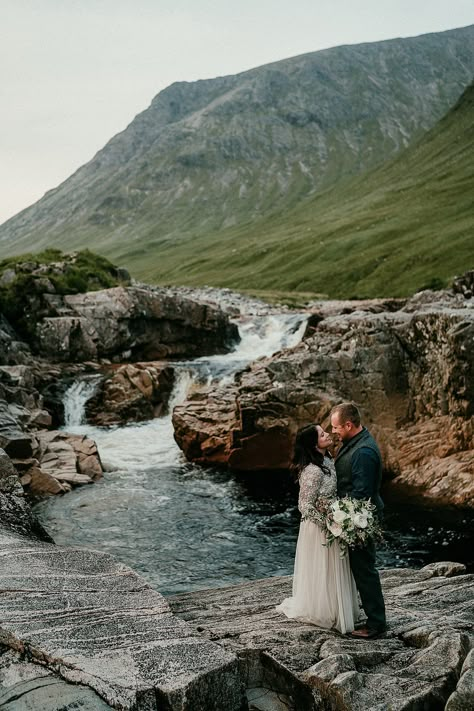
x=73, y=73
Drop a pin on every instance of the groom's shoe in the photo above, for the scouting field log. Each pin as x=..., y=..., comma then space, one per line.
x=367, y=633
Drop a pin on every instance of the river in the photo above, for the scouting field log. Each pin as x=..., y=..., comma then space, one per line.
x=186, y=527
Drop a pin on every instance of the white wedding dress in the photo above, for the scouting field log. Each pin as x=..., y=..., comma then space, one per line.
x=324, y=591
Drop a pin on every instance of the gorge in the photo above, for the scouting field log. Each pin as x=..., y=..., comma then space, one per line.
x=184, y=526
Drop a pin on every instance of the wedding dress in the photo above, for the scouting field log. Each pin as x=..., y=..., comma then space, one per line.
x=324, y=591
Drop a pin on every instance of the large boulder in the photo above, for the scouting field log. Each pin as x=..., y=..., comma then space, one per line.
x=15, y=511
x=131, y=393
x=131, y=323
x=410, y=369
x=63, y=461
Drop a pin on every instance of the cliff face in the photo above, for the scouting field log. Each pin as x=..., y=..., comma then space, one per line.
x=225, y=151
x=408, y=365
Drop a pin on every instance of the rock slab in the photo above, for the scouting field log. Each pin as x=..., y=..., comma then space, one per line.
x=98, y=624
x=423, y=662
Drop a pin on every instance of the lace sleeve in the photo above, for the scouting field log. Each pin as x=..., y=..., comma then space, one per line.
x=315, y=485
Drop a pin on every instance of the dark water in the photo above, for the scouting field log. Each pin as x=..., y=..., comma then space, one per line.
x=185, y=528
x=416, y=535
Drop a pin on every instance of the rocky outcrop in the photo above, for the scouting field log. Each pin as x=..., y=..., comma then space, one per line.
x=15, y=511
x=409, y=366
x=424, y=661
x=12, y=350
x=46, y=461
x=134, y=323
x=131, y=393
x=20, y=398
x=93, y=622
x=62, y=461
x=88, y=630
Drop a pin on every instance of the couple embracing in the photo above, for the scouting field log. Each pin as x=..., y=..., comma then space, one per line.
x=325, y=584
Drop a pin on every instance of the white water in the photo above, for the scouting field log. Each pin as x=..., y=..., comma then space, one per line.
x=75, y=399
x=140, y=446
x=181, y=526
x=185, y=527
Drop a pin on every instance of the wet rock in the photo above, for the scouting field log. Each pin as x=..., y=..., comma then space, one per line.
x=409, y=365
x=95, y=623
x=132, y=323
x=202, y=425
x=423, y=660
x=15, y=512
x=39, y=483
x=131, y=393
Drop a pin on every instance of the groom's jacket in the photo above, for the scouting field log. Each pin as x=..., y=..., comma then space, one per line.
x=359, y=469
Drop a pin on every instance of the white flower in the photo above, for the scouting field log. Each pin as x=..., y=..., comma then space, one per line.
x=339, y=516
x=360, y=520
x=335, y=529
x=350, y=507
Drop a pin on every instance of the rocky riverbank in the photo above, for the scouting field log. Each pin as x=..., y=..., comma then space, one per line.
x=87, y=632
x=407, y=363
x=56, y=337
x=423, y=662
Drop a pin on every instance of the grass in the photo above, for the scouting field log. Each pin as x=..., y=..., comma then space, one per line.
x=399, y=229
x=21, y=298
x=405, y=226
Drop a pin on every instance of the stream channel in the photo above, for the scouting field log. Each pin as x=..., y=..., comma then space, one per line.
x=185, y=527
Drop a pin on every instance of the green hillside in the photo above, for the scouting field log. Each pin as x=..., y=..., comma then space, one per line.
x=403, y=227
x=210, y=157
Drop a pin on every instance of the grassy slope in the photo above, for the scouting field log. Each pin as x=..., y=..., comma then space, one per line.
x=398, y=229
x=235, y=150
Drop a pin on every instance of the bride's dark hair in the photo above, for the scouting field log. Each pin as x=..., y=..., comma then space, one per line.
x=305, y=450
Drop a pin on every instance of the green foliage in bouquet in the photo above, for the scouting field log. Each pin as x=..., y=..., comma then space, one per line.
x=352, y=522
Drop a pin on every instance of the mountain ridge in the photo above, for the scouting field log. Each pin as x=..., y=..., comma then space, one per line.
x=399, y=228
x=210, y=154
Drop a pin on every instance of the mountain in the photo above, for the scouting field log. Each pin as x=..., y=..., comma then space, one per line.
x=212, y=155
x=405, y=226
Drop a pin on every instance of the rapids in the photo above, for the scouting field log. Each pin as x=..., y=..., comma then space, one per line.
x=185, y=527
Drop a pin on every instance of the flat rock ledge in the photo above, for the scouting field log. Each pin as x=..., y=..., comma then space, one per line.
x=78, y=630
x=423, y=662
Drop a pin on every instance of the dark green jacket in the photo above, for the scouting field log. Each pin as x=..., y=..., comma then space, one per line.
x=359, y=469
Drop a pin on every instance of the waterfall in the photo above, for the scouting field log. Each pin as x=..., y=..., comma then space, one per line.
x=183, y=380
x=260, y=336
x=75, y=399
x=136, y=447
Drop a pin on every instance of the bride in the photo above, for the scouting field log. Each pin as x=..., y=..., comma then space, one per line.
x=324, y=591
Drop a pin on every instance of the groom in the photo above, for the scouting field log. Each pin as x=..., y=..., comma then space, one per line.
x=359, y=475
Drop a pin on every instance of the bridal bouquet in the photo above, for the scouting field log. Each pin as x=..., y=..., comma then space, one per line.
x=318, y=511
x=352, y=522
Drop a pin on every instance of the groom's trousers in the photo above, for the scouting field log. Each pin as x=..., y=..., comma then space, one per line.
x=367, y=580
